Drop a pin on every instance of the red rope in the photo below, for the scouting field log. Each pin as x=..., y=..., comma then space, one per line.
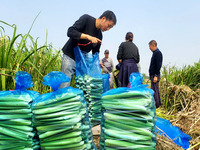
x=84, y=44
x=79, y=44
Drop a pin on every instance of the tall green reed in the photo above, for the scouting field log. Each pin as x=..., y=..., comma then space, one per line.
x=187, y=75
x=178, y=85
x=17, y=55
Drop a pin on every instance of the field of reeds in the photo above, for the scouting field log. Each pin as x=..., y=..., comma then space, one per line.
x=22, y=53
x=180, y=95
x=179, y=87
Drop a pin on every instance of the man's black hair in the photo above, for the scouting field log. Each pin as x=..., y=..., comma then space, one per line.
x=129, y=36
x=109, y=16
x=153, y=42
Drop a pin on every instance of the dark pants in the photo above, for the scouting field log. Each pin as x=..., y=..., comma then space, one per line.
x=155, y=87
x=127, y=67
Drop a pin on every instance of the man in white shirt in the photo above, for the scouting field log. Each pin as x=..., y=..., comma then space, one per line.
x=107, y=67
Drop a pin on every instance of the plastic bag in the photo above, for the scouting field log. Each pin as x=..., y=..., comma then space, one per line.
x=135, y=79
x=23, y=80
x=164, y=127
x=81, y=66
x=54, y=79
x=16, y=127
x=62, y=112
x=95, y=68
x=89, y=79
x=87, y=64
x=93, y=89
x=105, y=82
x=128, y=118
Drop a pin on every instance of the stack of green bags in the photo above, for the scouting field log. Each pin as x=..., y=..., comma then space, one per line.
x=89, y=79
x=61, y=117
x=93, y=90
x=85, y=124
x=57, y=121
x=16, y=128
x=128, y=119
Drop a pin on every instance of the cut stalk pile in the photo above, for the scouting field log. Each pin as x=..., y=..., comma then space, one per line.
x=89, y=79
x=16, y=129
x=128, y=119
x=62, y=121
x=93, y=90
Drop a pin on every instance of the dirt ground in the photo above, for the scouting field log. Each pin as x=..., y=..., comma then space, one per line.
x=96, y=131
x=96, y=139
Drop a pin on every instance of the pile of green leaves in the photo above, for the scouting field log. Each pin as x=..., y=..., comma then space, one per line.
x=128, y=119
x=16, y=128
x=93, y=90
x=61, y=120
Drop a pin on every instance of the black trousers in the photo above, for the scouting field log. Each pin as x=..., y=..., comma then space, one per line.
x=155, y=87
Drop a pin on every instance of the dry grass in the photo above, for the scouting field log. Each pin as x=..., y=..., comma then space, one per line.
x=189, y=122
x=163, y=143
x=183, y=103
x=177, y=98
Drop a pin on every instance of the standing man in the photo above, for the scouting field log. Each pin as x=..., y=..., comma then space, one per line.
x=107, y=67
x=154, y=70
x=86, y=33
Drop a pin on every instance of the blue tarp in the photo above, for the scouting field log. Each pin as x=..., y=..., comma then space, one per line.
x=165, y=128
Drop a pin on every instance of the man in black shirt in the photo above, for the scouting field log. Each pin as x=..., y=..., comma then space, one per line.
x=154, y=70
x=86, y=33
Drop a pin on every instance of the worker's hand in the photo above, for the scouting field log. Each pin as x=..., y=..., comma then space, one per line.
x=120, y=60
x=94, y=39
x=155, y=79
x=101, y=64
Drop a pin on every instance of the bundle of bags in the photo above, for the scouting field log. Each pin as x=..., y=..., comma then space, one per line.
x=89, y=79
x=16, y=128
x=93, y=89
x=128, y=120
x=61, y=117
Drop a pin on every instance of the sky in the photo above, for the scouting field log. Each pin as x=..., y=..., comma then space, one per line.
x=174, y=24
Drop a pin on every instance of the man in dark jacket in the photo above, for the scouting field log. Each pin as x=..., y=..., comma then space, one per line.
x=154, y=70
x=86, y=33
